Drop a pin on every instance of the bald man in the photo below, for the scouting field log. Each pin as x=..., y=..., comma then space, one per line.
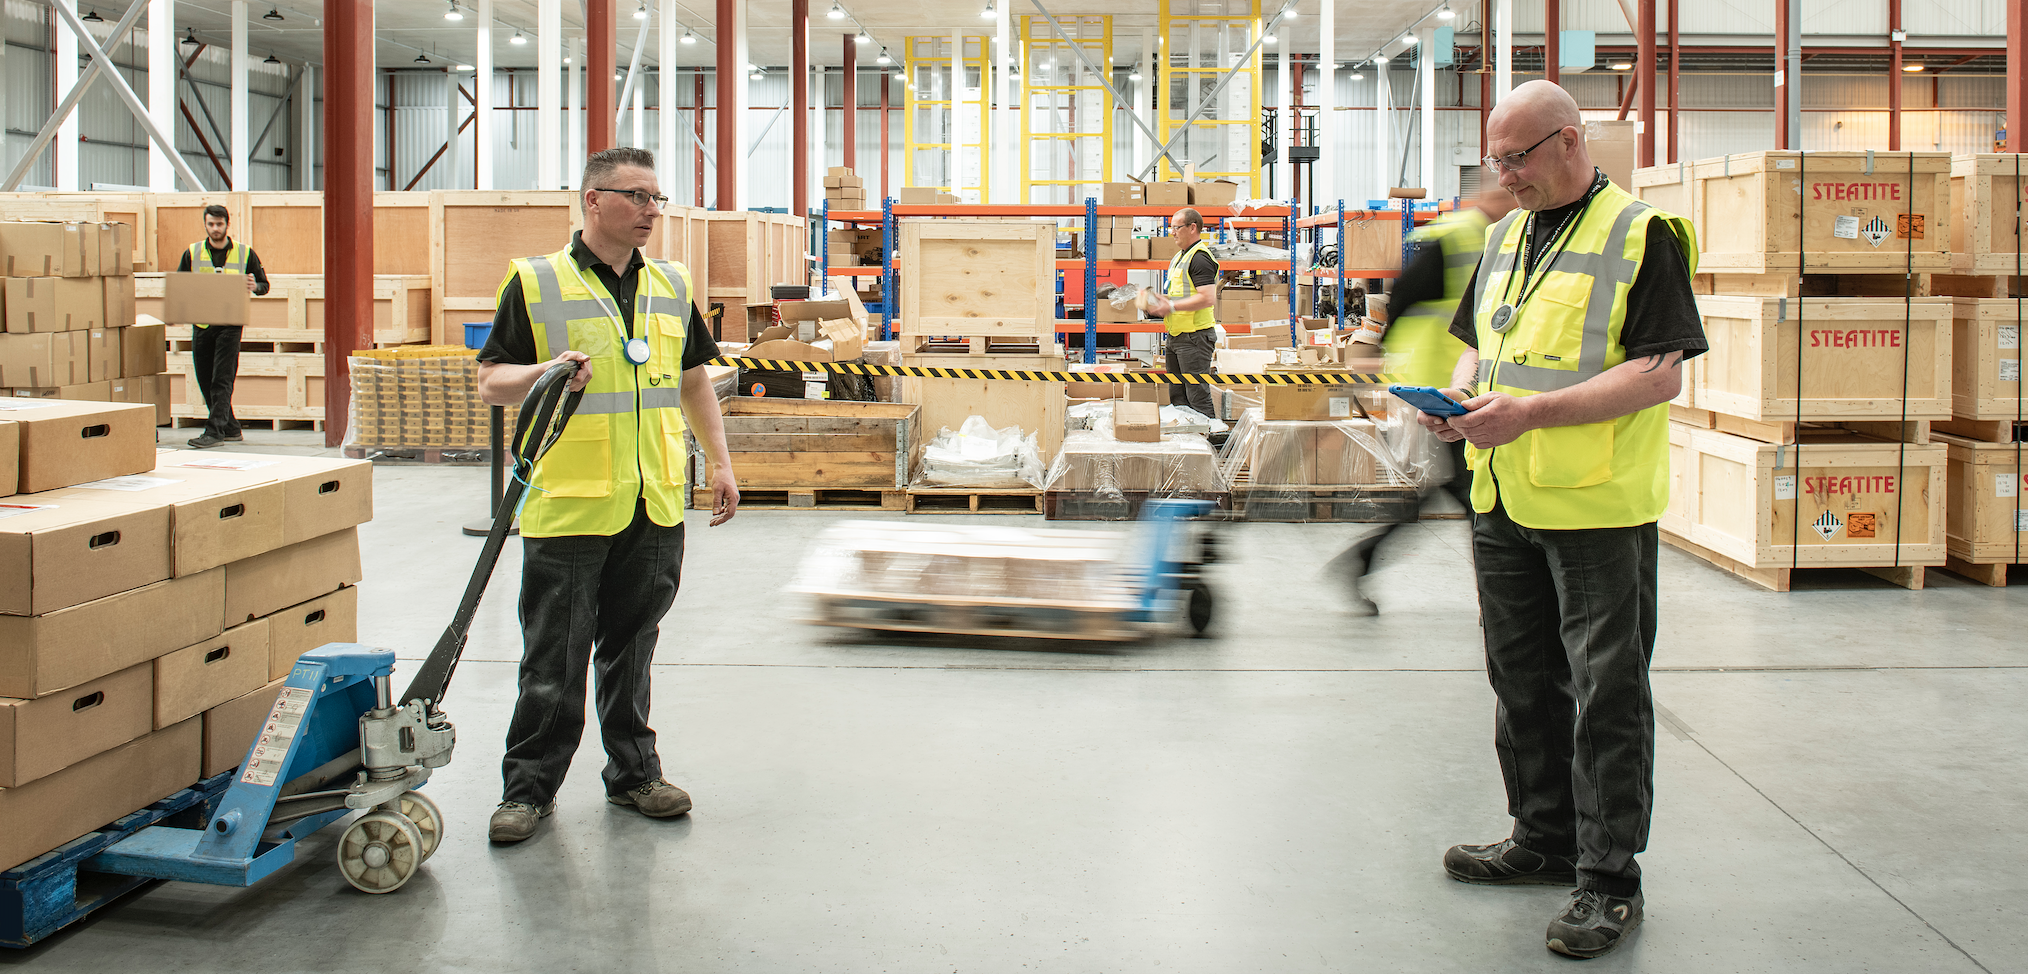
x=1577, y=323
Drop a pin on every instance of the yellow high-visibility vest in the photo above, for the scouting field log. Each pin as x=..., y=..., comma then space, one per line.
x=1421, y=350
x=1596, y=475
x=626, y=438
x=1184, y=322
x=235, y=260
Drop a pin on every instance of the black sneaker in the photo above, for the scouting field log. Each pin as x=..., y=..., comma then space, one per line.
x=232, y=438
x=205, y=441
x=1594, y=923
x=1506, y=864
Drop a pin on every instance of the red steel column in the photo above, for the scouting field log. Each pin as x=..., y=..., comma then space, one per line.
x=348, y=201
x=1644, y=143
x=1675, y=80
x=1552, y=40
x=601, y=43
x=799, y=107
x=2017, y=74
x=1894, y=74
x=849, y=131
x=731, y=77
x=1783, y=84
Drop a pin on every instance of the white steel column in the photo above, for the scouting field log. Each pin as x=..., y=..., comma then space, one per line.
x=237, y=125
x=1151, y=78
x=64, y=159
x=1327, y=107
x=1503, y=49
x=1425, y=66
x=549, y=94
x=482, y=94
x=665, y=98
x=640, y=121
x=1383, y=133
x=735, y=156
x=306, y=130
x=573, y=115
x=1285, y=100
x=453, y=114
x=161, y=93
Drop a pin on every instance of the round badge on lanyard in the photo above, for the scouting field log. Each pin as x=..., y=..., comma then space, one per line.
x=1503, y=318
x=637, y=351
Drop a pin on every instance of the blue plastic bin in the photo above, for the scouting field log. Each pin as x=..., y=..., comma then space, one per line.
x=476, y=333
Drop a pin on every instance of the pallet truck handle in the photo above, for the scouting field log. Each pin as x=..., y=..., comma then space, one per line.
x=544, y=413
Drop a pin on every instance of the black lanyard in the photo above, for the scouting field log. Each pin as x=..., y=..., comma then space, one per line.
x=1559, y=241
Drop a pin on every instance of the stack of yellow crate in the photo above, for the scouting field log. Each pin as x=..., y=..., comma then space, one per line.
x=70, y=330
x=155, y=603
x=420, y=397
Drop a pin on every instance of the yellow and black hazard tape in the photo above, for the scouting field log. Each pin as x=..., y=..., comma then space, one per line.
x=1305, y=378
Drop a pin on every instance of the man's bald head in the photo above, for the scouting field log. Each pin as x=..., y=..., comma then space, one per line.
x=1541, y=120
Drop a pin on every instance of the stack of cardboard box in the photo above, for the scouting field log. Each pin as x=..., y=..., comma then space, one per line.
x=156, y=603
x=843, y=190
x=70, y=330
x=420, y=397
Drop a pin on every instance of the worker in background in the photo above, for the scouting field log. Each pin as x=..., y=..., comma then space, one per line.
x=214, y=349
x=603, y=527
x=1187, y=310
x=1578, y=320
x=1421, y=351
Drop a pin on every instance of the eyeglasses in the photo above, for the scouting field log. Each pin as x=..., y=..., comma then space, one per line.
x=1515, y=160
x=642, y=197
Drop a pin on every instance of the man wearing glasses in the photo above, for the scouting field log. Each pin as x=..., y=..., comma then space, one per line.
x=602, y=531
x=1578, y=320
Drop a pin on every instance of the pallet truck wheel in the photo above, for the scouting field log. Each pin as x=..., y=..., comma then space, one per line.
x=1200, y=605
x=380, y=852
x=423, y=813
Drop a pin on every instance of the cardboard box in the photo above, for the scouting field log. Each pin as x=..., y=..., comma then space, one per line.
x=1220, y=192
x=116, y=250
x=1141, y=246
x=268, y=583
x=216, y=516
x=1137, y=422
x=144, y=350
x=1611, y=145
x=1162, y=248
x=57, y=553
x=155, y=390
x=1342, y=459
x=230, y=728
x=10, y=457
x=1328, y=402
x=85, y=392
x=102, y=353
x=812, y=331
x=203, y=298
x=90, y=794
x=296, y=630
x=36, y=361
x=196, y=678
x=838, y=171
x=319, y=494
x=40, y=655
x=1168, y=194
x=916, y=195
x=117, y=295
x=65, y=443
x=1123, y=194
x=844, y=182
x=41, y=737
x=42, y=249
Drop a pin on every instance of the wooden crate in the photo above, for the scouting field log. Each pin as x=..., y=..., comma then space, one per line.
x=1987, y=189
x=811, y=443
x=1986, y=359
x=1986, y=507
x=286, y=229
x=473, y=236
x=1035, y=407
x=271, y=385
x=747, y=253
x=1372, y=243
x=1830, y=501
x=401, y=305
x=401, y=234
x=1812, y=213
x=990, y=280
x=1852, y=360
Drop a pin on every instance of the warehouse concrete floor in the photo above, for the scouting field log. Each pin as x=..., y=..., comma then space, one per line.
x=1840, y=783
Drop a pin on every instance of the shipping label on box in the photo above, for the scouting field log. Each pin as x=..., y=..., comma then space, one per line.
x=41, y=737
x=1123, y=194
x=208, y=299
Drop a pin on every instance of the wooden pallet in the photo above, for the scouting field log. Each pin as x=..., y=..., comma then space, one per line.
x=1086, y=505
x=1785, y=282
x=53, y=891
x=1916, y=431
x=1983, y=430
x=1366, y=504
x=972, y=500
x=418, y=454
x=1779, y=579
x=197, y=420
x=1994, y=573
x=811, y=499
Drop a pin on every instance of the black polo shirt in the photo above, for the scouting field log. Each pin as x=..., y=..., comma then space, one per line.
x=512, y=341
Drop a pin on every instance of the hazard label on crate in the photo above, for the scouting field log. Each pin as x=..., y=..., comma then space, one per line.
x=271, y=749
x=1827, y=525
x=1908, y=226
x=1859, y=525
x=1874, y=232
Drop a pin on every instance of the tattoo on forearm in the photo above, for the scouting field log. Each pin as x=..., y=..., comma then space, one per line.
x=1661, y=361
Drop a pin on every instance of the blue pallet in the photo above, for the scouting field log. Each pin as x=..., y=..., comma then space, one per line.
x=50, y=892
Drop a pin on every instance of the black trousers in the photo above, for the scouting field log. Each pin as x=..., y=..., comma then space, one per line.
x=1191, y=351
x=589, y=601
x=214, y=356
x=1570, y=631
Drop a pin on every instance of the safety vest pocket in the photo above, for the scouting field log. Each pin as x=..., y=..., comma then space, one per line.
x=675, y=451
x=1571, y=456
x=581, y=462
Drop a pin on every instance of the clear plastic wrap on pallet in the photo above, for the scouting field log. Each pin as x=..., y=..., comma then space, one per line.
x=1178, y=466
x=1371, y=468
x=420, y=397
x=977, y=455
x=891, y=561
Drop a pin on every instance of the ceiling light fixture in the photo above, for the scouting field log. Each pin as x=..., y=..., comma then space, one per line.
x=422, y=59
x=1379, y=59
x=566, y=60
x=518, y=39
x=466, y=67
x=837, y=12
x=1620, y=66
x=641, y=12
x=1269, y=40
x=883, y=58
x=756, y=76
x=1408, y=40
x=1911, y=68
x=93, y=17
x=190, y=37
x=1445, y=13
x=989, y=13
x=1135, y=76
x=689, y=38
x=1358, y=75
x=454, y=13
x=271, y=59
x=274, y=13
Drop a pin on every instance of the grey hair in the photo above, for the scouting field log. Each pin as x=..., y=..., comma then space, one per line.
x=601, y=166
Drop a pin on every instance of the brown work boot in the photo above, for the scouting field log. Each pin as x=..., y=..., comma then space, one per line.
x=655, y=799
x=514, y=821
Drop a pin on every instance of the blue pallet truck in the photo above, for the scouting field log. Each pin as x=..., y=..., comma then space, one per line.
x=338, y=741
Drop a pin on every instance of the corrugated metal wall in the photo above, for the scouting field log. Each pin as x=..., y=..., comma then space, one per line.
x=1949, y=18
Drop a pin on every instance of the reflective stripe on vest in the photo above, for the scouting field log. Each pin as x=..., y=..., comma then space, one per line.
x=1420, y=347
x=1184, y=322
x=626, y=438
x=1597, y=475
x=235, y=260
